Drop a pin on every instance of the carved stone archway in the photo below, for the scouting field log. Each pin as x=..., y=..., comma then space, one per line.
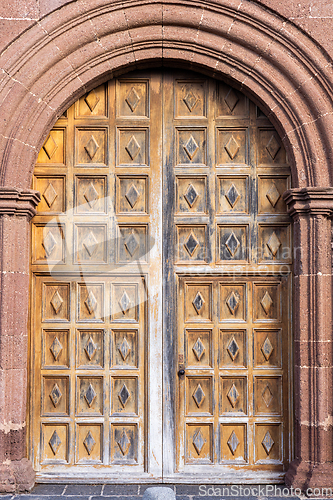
x=75, y=48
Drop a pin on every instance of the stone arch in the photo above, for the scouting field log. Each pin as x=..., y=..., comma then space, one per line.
x=75, y=48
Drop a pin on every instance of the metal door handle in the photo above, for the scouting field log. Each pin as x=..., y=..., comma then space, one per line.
x=181, y=372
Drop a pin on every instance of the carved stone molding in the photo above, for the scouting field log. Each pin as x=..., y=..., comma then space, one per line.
x=14, y=201
x=309, y=201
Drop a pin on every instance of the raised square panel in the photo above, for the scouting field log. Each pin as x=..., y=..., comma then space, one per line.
x=270, y=148
x=53, y=149
x=52, y=190
x=90, y=243
x=191, y=195
x=93, y=104
x=133, y=147
x=233, y=193
x=125, y=349
x=91, y=146
x=191, y=146
x=233, y=302
x=233, y=349
x=55, y=349
x=199, y=395
x=232, y=245
x=89, y=396
x=232, y=146
x=231, y=103
x=90, y=302
x=199, y=443
x=191, y=243
x=266, y=302
x=267, y=348
x=125, y=302
x=267, y=395
x=274, y=243
x=56, y=302
x=133, y=98
x=124, y=395
x=90, y=194
x=190, y=99
x=89, y=443
x=233, y=395
x=270, y=191
x=90, y=349
x=268, y=443
x=132, y=243
x=198, y=302
x=54, y=443
x=132, y=195
x=199, y=351
x=48, y=243
x=124, y=443
x=234, y=443
x=55, y=396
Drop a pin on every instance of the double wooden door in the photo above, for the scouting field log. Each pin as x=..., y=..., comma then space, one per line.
x=160, y=287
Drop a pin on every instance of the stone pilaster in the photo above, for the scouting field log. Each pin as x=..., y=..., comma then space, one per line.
x=16, y=209
x=311, y=209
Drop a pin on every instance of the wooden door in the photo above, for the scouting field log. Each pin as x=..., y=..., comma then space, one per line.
x=161, y=235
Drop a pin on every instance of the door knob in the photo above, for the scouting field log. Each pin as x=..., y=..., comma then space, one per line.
x=181, y=372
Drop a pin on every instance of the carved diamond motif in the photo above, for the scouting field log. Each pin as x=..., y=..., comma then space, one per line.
x=90, y=244
x=124, y=349
x=131, y=244
x=267, y=396
x=198, y=441
x=132, y=195
x=55, y=395
x=267, y=349
x=91, y=195
x=190, y=100
x=89, y=443
x=231, y=99
x=273, y=244
x=91, y=302
x=132, y=99
x=233, y=349
x=50, y=195
x=198, y=349
x=49, y=243
x=50, y=146
x=90, y=348
x=55, y=442
x=133, y=148
x=124, y=443
x=125, y=303
x=198, y=302
x=91, y=147
x=56, y=302
x=273, y=147
x=199, y=396
x=273, y=195
x=267, y=442
x=191, y=148
x=232, y=302
x=124, y=395
x=92, y=100
x=191, y=244
x=191, y=195
x=232, y=195
x=90, y=395
x=233, y=442
x=56, y=348
x=233, y=395
x=232, y=147
x=266, y=302
x=232, y=244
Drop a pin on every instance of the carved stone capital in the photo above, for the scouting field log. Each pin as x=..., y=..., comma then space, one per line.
x=15, y=201
x=309, y=201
